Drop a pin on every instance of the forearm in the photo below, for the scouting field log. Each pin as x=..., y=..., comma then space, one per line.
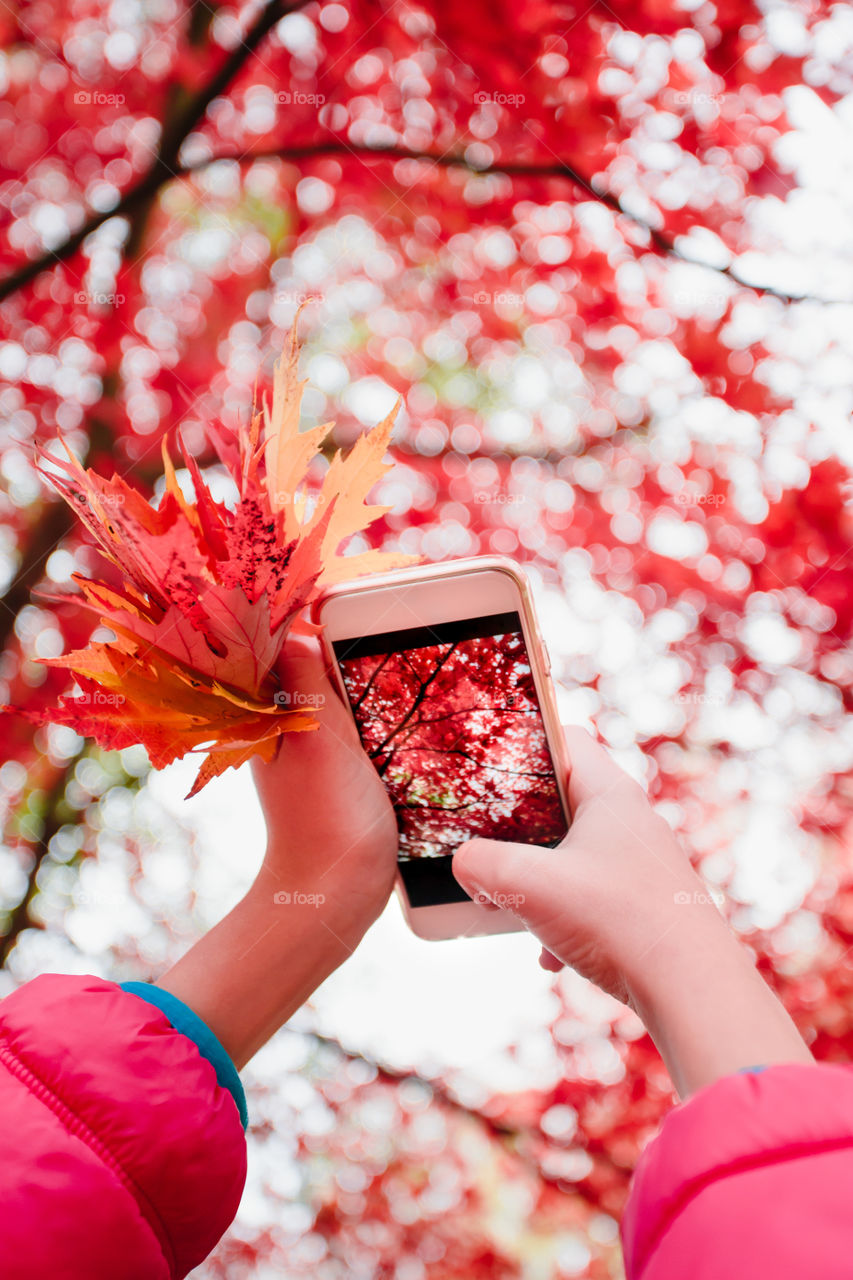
x=708, y=1010
x=255, y=968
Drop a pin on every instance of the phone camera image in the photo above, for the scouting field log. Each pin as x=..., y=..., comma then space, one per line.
x=449, y=715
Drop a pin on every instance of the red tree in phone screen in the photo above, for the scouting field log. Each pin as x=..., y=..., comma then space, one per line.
x=456, y=734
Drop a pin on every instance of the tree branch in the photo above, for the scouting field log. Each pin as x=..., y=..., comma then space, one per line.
x=55, y=521
x=165, y=164
x=374, y=752
x=481, y=764
x=561, y=169
x=156, y=177
x=19, y=917
x=367, y=688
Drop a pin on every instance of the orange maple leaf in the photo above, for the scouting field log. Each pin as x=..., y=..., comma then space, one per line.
x=209, y=592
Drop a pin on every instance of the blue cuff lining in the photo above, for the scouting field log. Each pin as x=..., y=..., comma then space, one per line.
x=185, y=1020
x=750, y=1071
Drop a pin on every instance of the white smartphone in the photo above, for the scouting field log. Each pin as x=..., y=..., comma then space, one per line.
x=447, y=677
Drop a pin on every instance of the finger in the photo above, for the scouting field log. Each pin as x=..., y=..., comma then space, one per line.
x=306, y=684
x=301, y=666
x=549, y=962
x=482, y=900
x=525, y=875
x=592, y=771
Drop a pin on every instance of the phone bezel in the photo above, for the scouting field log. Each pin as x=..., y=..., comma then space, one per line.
x=419, y=596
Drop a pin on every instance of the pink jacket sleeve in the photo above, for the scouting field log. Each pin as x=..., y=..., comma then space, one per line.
x=121, y=1156
x=751, y=1177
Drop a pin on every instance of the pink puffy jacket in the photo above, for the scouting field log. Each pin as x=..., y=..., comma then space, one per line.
x=749, y=1180
x=122, y=1156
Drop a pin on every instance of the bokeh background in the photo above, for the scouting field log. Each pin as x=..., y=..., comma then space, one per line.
x=604, y=252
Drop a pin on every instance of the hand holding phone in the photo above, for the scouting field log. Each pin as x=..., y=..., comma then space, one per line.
x=446, y=676
x=620, y=903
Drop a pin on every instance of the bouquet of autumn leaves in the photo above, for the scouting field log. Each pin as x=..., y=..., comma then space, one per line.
x=208, y=594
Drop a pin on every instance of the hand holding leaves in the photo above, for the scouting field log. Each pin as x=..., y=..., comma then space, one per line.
x=209, y=592
x=331, y=830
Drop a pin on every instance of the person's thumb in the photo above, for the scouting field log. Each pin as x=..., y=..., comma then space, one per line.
x=301, y=674
x=523, y=879
x=305, y=684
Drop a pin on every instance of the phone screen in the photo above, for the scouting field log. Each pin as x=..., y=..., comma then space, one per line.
x=449, y=715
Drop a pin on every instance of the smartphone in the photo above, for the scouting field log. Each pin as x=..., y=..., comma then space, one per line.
x=448, y=680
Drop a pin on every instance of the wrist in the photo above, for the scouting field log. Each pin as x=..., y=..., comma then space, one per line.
x=290, y=915
x=253, y=970
x=707, y=1008
x=694, y=944
x=344, y=890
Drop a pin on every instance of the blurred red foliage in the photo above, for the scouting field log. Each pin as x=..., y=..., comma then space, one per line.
x=495, y=207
